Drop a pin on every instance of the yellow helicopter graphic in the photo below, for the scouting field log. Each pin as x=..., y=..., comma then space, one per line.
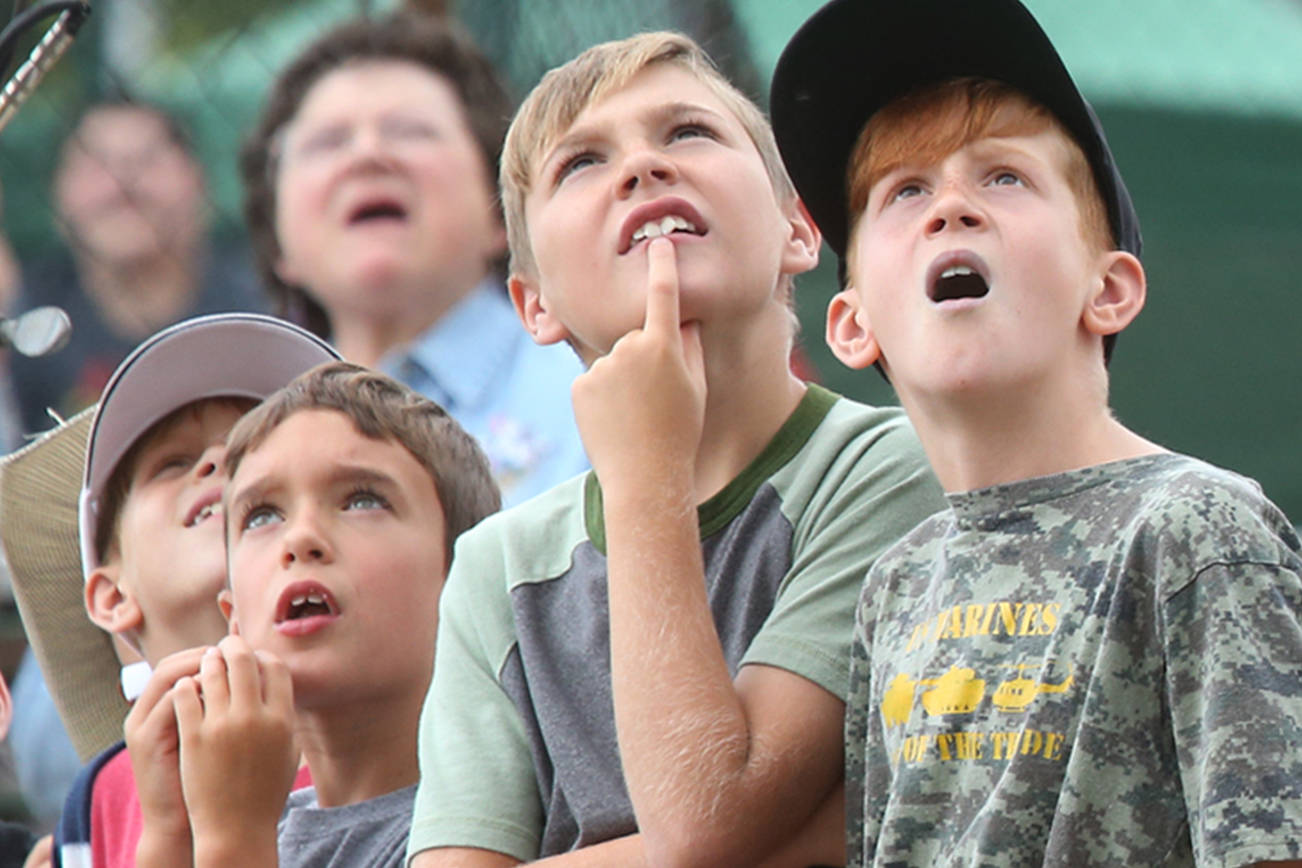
x=1017, y=693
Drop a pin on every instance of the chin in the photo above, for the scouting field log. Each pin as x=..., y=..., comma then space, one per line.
x=381, y=281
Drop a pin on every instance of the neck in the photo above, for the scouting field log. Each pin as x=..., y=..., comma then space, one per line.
x=1010, y=434
x=138, y=298
x=365, y=337
x=361, y=750
x=750, y=393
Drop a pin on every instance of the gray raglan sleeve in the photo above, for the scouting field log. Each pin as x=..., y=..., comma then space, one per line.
x=477, y=784
x=865, y=494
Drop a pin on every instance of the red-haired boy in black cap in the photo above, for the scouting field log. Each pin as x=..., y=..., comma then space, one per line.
x=1092, y=657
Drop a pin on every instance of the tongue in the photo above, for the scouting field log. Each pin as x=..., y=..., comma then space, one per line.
x=307, y=610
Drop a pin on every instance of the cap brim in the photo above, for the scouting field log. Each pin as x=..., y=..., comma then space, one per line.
x=855, y=56
x=38, y=527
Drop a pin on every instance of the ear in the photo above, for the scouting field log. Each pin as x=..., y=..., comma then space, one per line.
x=534, y=311
x=849, y=335
x=1118, y=297
x=800, y=250
x=112, y=607
x=226, y=602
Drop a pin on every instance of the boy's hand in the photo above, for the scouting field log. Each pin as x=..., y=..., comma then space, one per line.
x=153, y=747
x=236, y=721
x=640, y=408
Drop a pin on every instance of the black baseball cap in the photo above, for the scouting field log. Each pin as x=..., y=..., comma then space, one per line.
x=853, y=57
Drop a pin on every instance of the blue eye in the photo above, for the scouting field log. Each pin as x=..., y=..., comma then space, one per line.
x=691, y=130
x=365, y=499
x=1007, y=179
x=576, y=163
x=906, y=191
x=258, y=516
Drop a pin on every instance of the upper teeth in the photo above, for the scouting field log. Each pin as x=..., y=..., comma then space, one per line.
x=314, y=598
x=205, y=512
x=957, y=271
x=663, y=226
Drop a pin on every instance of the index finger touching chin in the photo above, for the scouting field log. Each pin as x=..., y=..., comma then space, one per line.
x=662, y=286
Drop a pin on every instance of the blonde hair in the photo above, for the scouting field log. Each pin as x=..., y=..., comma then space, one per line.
x=564, y=93
x=384, y=409
x=927, y=125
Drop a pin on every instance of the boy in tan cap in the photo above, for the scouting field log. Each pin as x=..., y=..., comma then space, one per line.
x=148, y=525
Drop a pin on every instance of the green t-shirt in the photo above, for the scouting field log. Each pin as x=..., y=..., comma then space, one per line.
x=517, y=743
x=1101, y=667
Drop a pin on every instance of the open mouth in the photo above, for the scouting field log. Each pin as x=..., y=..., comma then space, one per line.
x=957, y=275
x=208, y=506
x=666, y=225
x=301, y=602
x=657, y=219
x=375, y=210
x=958, y=281
x=205, y=513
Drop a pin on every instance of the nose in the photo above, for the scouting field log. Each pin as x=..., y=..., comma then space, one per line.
x=211, y=461
x=378, y=143
x=952, y=209
x=646, y=165
x=304, y=541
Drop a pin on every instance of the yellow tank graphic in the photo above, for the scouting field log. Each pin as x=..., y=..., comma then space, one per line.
x=897, y=704
x=958, y=691
x=1016, y=694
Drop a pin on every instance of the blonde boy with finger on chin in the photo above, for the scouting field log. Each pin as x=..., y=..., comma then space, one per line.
x=1092, y=657
x=646, y=664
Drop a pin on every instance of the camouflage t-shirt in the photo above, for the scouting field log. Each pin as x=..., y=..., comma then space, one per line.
x=1101, y=667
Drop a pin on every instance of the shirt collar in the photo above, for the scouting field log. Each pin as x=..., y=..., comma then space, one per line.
x=464, y=351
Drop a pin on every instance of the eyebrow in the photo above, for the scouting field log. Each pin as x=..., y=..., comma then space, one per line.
x=653, y=116
x=339, y=474
x=1001, y=145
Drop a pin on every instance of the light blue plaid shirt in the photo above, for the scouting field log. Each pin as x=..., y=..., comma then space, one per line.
x=512, y=395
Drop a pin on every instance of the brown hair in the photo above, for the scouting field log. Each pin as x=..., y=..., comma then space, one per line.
x=118, y=487
x=173, y=129
x=381, y=408
x=563, y=94
x=932, y=122
x=428, y=42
